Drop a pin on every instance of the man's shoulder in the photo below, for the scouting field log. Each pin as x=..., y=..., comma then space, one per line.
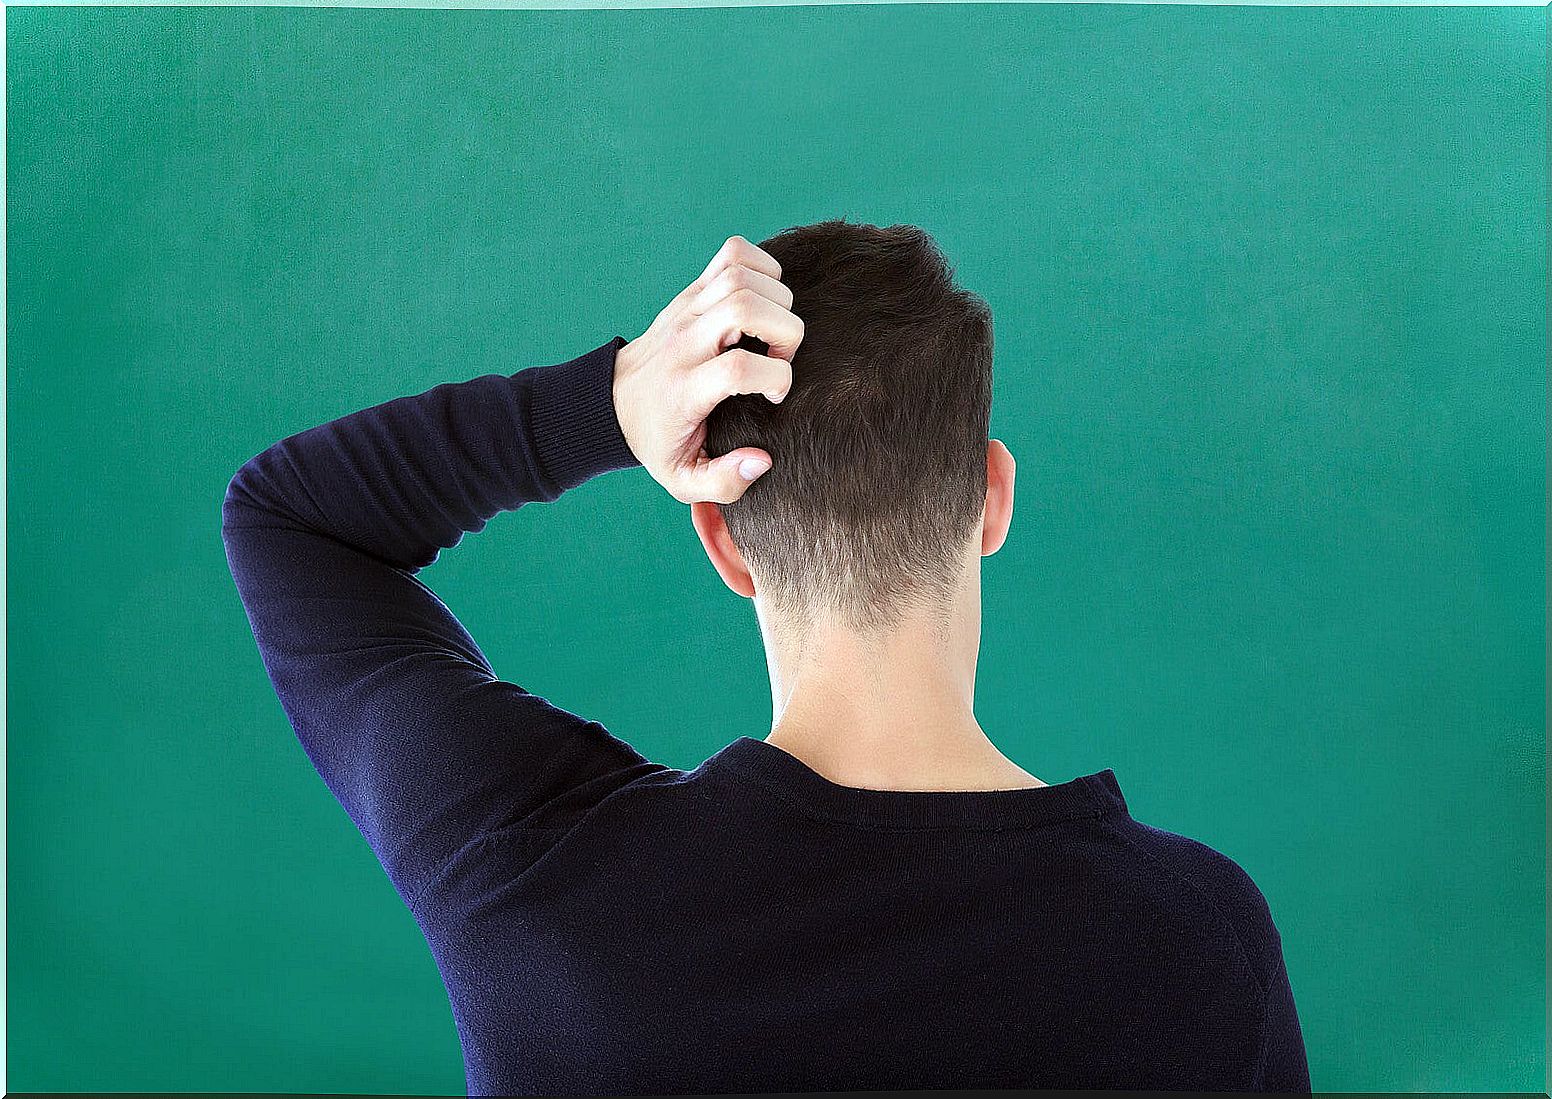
x=1216, y=881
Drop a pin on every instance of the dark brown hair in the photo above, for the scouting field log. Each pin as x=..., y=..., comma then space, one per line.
x=880, y=445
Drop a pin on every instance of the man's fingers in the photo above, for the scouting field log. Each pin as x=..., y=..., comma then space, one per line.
x=737, y=250
x=737, y=277
x=749, y=313
x=723, y=480
x=736, y=371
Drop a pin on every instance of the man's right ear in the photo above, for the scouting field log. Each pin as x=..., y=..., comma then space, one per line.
x=725, y=558
x=998, y=515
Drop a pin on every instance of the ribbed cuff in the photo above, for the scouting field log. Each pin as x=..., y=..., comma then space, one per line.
x=576, y=432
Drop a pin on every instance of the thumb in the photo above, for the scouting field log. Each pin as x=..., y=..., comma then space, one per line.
x=723, y=480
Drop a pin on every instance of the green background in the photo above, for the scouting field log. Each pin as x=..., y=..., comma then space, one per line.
x=1269, y=288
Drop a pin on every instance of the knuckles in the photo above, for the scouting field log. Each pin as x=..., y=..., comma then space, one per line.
x=738, y=247
x=741, y=303
x=735, y=368
x=737, y=277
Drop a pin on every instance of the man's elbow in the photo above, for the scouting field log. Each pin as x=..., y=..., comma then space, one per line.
x=242, y=501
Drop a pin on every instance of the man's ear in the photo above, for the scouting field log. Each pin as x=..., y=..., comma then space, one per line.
x=725, y=558
x=999, y=497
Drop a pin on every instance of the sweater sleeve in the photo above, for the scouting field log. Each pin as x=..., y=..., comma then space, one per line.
x=394, y=703
x=1283, y=1066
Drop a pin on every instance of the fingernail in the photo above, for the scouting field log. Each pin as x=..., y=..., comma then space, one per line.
x=750, y=468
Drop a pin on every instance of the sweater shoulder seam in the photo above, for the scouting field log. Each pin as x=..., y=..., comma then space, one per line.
x=1256, y=978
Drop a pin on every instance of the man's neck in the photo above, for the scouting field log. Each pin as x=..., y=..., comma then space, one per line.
x=905, y=758
x=887, y=712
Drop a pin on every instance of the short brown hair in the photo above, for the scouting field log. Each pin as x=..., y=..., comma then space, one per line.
x=880, y=445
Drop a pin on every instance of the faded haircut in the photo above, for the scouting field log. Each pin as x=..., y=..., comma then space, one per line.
x=880, y=446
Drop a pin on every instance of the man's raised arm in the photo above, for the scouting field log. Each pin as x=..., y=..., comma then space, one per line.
x=399, y=711
x=393, y=701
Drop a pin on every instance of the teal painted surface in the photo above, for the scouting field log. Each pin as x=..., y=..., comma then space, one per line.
x=542, y=5
x=1269, y=288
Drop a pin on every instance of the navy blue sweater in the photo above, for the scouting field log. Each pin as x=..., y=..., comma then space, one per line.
x=607, y=925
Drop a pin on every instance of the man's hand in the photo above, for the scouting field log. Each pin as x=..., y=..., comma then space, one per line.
x=667, y=381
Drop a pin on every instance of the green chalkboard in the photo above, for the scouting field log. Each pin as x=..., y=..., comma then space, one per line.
x=1269, y=287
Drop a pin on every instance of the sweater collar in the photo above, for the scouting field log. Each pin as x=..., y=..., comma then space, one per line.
x=789, y=778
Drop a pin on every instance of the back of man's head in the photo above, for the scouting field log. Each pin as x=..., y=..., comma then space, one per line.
x=879, y=448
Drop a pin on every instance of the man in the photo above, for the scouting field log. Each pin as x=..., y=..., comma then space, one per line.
x=870, y=897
